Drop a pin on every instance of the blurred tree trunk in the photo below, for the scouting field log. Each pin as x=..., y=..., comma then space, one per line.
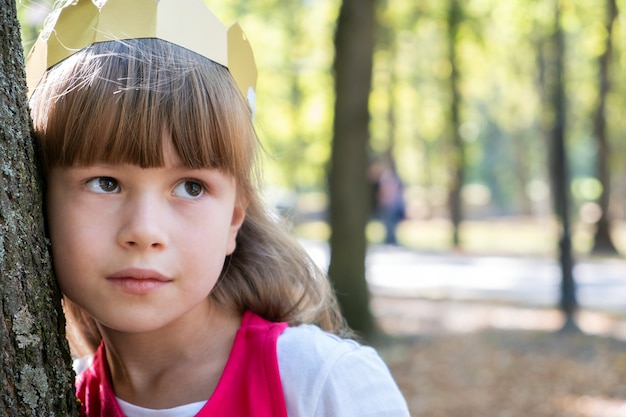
x=36, y=374
x=456, y=149
x=386, y=41
x=348, y=186
x=556, y=106
x=602, y=239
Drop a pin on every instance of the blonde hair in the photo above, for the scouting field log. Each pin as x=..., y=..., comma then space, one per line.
x=115, y=102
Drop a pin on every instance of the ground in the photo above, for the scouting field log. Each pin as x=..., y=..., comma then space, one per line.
x=481, y=360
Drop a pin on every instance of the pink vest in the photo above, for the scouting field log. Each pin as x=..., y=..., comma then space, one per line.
x=249, y=386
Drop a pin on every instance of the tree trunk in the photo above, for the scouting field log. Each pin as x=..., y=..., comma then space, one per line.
x=560, y=172
x=603, y=244
x=349, y=191
x=36, y=366
x=457, y=149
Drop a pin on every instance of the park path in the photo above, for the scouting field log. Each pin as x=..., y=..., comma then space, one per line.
x=472, y=334
x=529, y=281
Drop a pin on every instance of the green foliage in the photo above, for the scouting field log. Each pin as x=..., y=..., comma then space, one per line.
x=500, y=45
x=293, y=43
x=31, y=14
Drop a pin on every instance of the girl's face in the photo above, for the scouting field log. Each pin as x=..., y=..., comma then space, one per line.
x=141, y=248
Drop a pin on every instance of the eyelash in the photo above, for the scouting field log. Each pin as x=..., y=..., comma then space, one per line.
x=91, y=183
x=94, y=182
x=203, y=187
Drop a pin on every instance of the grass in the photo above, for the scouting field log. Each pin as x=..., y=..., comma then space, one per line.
x=507, y=236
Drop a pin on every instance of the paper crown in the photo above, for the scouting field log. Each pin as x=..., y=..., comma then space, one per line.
x=187, y=23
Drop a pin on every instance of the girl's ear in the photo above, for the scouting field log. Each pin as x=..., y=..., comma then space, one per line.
x=239, y=215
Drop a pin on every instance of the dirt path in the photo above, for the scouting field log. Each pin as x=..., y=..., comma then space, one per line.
x=467, y=359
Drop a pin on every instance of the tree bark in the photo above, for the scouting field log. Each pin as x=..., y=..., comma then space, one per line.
x=36, y=374
x=603, y=244
x=348, y=186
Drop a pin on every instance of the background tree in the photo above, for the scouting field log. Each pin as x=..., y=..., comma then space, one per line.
x=456, y=148
x=603, y=243
x=36, y=366
x=556, y=106
x=384, y=98
x=348, y=186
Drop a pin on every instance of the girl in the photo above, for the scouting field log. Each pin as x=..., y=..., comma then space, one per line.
x=181, y=291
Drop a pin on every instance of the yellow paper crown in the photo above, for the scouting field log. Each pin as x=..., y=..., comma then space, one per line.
x=187, y=23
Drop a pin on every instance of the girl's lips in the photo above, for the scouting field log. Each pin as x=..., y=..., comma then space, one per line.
x=139, y=281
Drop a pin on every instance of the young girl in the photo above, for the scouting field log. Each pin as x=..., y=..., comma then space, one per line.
x=183, y=295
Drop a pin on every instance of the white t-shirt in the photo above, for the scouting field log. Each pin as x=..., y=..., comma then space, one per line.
x=322, y=376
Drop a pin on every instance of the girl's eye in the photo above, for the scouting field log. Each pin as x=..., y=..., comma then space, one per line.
x=103, y=185
x=189, y=189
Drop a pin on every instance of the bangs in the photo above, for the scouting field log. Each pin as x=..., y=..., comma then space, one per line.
x=117, y=102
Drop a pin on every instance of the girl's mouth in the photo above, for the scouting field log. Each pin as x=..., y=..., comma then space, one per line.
x=139, y=281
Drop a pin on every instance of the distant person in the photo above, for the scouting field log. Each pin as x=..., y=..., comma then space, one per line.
x=390, y=202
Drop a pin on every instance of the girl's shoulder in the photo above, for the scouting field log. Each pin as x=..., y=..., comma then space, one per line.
x=308, y=342
x=325, y=375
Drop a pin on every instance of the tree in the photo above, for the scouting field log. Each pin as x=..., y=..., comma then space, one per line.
x=556, y=103
x=36, y=373
x=456, y=147
x=602, y=240
x=349, y=191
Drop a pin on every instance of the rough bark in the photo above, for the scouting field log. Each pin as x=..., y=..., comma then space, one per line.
x=348, y=186
x=36, y=374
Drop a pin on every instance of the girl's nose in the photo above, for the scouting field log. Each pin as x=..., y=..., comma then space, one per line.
x=143, y=225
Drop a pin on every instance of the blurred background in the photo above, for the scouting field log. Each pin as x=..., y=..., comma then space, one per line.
x=476, y=230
